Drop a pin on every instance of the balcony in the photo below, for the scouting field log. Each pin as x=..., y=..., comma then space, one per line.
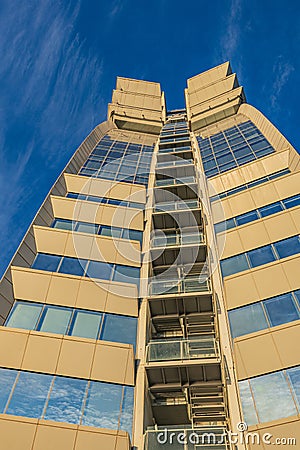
x=175, y=181
x=174, y=163
x=181, y=349
x=178, y=239
x=181, y=149
x=178, y=286
x=174, y=138
x=176, y=206
x=186, y=438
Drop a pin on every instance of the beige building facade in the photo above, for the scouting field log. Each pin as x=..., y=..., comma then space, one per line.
x=154, y=302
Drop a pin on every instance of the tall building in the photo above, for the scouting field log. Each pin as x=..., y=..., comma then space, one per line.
x=154, y=301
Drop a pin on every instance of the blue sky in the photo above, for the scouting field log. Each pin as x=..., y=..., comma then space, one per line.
x=60, y=59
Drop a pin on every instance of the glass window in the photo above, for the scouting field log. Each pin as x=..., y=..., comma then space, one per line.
x=63, y=224
x=297, y=295
x=73, y=266
x=233, y=265
x=249, y=412
x=257, y=182
x=127, y=274
x=294, y=377
x=7, y=379
x=119, y=329
x=272, y=397
x=288, y=247
x=127, y=410
x=66, y=399
x=110, y=231
x=24, y=315
x=30, y=395
x=86, y=324
x=247, y=217
x=262, y=255
x=46, y=262
x=103, y=406
x=98, y=269
x=292, y=201
x=136, y=235
x=281, y=309
x=270, y=209
x=247, y=319
x=86, y=227
x=55, y=319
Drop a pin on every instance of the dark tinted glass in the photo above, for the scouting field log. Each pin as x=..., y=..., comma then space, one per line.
x=46, y=262
x=73, y=266
x=288, y=247
x=281, y=309
x=260, y=256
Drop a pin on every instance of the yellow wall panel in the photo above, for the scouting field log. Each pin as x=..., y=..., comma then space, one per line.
x=41, y=352
x=54, y=435
x=16, y=434
x=240, y=290
x=110, y=363
x=63, y=290
x=16, y=341
x=75, y=358
x=29, y=284
x=259, y=355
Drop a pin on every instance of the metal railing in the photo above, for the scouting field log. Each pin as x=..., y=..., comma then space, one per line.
x=181, y=349
x=178, y=286
x=176, y=163
x=169, y=240
x=183, y=148
x=175, y=181
x=176, y=206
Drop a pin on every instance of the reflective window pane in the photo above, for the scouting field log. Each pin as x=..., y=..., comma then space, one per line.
x=247, y=217
x=270, y=209
x=24, y=315
x=136, y=235
x=288, y=247
x=103, y=405
x=55, y=320
x=86, y=227
x=86, y=324
x=272, y=397
x=63, y=224
x=127, y=410
x=66, y=400
x=260, y=256
x=72, y=266
x=294, y=377
x=127, y=274
x=292, y=201
x=46, y=262
x=249, y=412
x=110, y=231
x=119, y=329
x=30, y=395
x=281, y=309
x=233, y=265
x=7, y=379
x=247, y=319
x=98, y=269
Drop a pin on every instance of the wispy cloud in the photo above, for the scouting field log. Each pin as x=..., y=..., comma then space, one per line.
x=50, y=86
x=231, y=36
x=116, y=8
x=282, y=70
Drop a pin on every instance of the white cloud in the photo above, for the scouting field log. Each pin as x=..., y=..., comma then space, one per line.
x=282, y=70
x=50, y=86
x=230, y=39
